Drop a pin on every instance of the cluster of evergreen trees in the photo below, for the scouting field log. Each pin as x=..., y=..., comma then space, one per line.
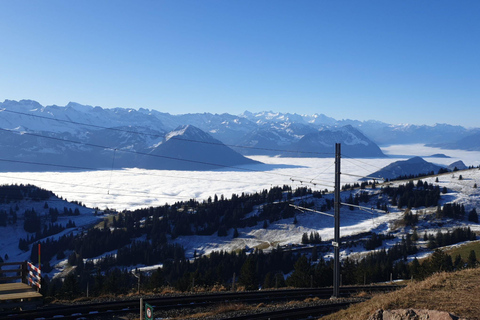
x=256, y=270
x=376, y=240
x=440, y=261
x=217, y=215
x=410, y=195
x=357, y=199
x=6, y=218
x=451, y=210
x=357, y=185
x=48, y=230
x=449, y=238
x=314, y=238
x=420, y=175
x=14, y=193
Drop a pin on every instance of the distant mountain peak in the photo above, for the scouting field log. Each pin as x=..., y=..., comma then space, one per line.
x=413, y=166
x=459, y=165
x=78, y=107
x=189, y=132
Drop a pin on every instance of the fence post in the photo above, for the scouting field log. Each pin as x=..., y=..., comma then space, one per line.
x=24, y=272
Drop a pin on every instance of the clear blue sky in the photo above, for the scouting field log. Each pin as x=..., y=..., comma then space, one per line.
x=408, y=61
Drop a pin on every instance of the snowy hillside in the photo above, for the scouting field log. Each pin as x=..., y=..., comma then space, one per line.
x=353, y=222
x=65, y=213
x=459, y=188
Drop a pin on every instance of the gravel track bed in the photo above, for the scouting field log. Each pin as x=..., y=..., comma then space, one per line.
x=224, y=310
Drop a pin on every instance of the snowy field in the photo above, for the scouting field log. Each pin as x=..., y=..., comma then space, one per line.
x=137, y=188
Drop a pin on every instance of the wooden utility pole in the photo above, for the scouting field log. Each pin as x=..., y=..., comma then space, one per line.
x=336, y=242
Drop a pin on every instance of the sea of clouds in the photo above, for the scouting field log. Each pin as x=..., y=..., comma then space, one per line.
x=138, y=188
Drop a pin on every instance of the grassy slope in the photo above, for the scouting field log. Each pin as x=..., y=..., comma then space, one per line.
x=464, y=250
x=456, y=292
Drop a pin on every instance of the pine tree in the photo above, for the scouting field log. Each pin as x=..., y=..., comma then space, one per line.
x=314, y=254
x=279, y=280
x=472, y=259
x=305, y=239
x=300, y=277
x=269, y=281
x=458, y=262
x=70, y=288
x=473, y=216
x=248, y=275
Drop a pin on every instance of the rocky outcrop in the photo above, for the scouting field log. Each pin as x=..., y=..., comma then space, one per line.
x=412, y=314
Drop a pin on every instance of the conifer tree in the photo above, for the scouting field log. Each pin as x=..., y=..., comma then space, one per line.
x=248, y=275
x=300, y=277
x=472, y=259
x=473, y=216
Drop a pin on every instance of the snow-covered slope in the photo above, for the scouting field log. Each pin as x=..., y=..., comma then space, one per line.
x=11, y=234
x=353, y=222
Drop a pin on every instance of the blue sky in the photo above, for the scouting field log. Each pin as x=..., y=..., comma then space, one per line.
x=408, y=61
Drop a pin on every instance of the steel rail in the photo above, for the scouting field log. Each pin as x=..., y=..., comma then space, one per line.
x=167, y=303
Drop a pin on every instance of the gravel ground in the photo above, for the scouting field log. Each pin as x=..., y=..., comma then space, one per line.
x=212, y=312
x=230, y=310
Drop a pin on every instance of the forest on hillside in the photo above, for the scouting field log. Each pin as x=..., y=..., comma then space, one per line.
x=143, y=237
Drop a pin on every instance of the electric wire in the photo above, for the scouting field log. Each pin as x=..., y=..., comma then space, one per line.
x=161, y=136
x=183, y=139
x=133, y=152
x=363, y=162
x=76, y=185
x=302, y=180
x=359, y=176
x=371, y=210
x=331, y=165
x=311, y=210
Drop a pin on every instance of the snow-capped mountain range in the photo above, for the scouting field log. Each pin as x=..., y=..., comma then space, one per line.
x=86, y=137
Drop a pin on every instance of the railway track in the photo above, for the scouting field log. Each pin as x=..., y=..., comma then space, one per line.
x=109, y=309
x=295, y=313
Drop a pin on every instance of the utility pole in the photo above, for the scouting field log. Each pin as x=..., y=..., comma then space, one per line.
x=336, y=242
x=336, y=215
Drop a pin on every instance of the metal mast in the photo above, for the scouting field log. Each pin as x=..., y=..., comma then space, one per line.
x=336, y=242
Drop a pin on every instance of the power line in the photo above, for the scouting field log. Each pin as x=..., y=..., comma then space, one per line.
x=302, y=180
x=371, y=210
x=128, y=151
x=359, y=176
x=331, y=165
x=311, y=210
x=352, y=160
x=161, y=136
x=310, y=182
x=133, y=193
x=49, y=164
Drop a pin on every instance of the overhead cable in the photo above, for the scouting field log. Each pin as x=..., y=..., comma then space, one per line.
x=161, y=136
